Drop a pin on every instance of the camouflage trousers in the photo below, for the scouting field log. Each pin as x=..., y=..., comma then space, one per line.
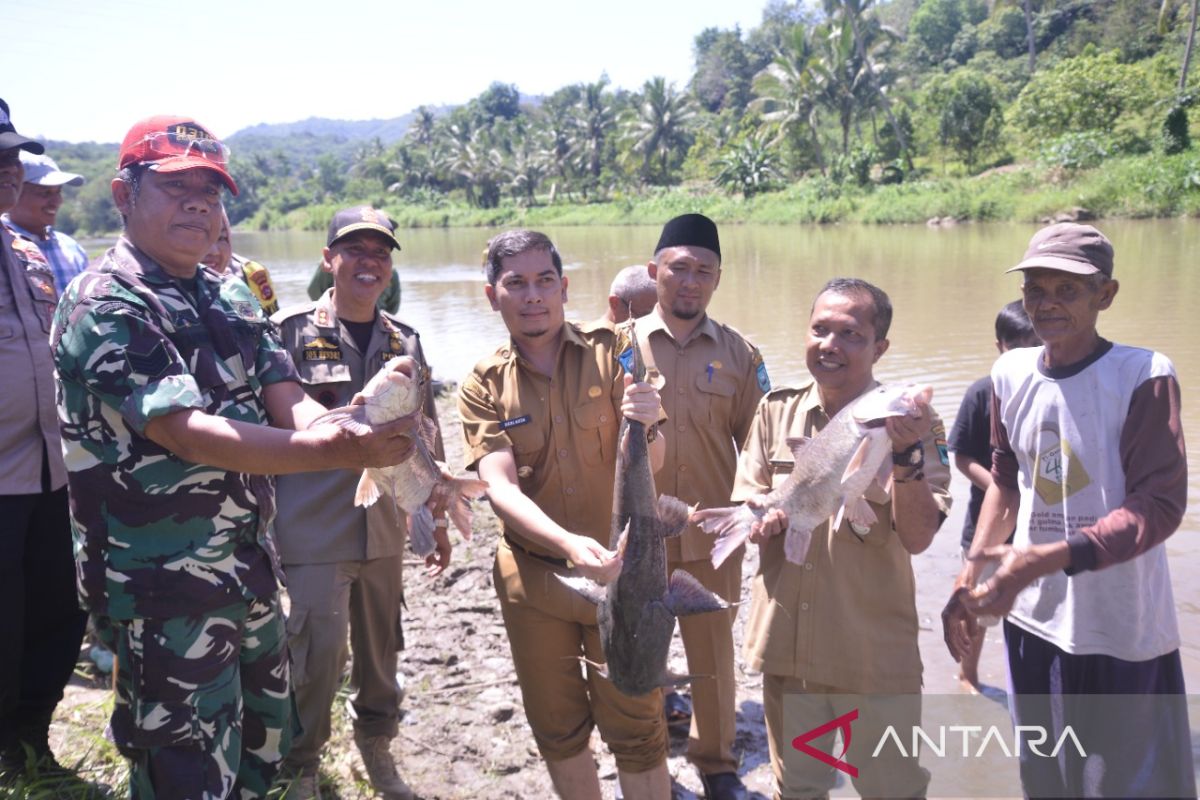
x=204, y=707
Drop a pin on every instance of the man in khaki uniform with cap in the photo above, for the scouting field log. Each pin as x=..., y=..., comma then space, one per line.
x=541, y=418
x=843, y=625
x=343, y=564
x=713, y=380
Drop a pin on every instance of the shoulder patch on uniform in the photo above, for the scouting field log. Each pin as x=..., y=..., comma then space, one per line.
x=152, y=363
x=760, y=371
x=939, y=441
x=626, y=359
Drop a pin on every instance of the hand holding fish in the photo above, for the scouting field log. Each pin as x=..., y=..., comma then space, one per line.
x=640, y=402
x=592, y=560
x=382, y=445
x=908, y=429
x=437, y=561
x=773, y=522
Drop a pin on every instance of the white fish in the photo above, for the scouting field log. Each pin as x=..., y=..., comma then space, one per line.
x=397, y=391
x=832, y=472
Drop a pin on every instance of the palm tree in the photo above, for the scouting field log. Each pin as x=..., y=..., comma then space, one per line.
x=866, y=71
x=422, y=129
x=1164, y=12
x=658, y=127
x=593, y=123
x=788, y=91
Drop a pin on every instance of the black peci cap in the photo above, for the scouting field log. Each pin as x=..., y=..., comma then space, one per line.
x=690, y=230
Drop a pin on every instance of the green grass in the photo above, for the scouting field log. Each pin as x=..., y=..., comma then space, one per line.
x=1149, y=185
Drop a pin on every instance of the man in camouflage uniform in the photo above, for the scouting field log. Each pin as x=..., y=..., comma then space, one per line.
x=343, y=563
x=168, y=375
x=41, y=623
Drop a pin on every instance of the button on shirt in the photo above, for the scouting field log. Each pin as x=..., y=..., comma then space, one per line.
x=847, y=617
x=155, y=535
x=67, y=258
x=711, y=390
x=28, y=423
x=562, y=430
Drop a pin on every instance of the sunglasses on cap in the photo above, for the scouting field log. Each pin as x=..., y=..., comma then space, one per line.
x=170, y=145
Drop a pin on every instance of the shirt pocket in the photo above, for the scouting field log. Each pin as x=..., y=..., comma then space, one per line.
x=596, y=423
x=713, y=402
x=327, y=382
x=45, y=299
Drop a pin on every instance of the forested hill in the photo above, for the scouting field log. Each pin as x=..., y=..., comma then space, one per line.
x=870, y=110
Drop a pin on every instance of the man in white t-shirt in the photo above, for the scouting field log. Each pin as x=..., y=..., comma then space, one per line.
x=1089, y=467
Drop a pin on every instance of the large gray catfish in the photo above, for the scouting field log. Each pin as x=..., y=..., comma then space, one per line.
x=637, y=611
x=397, y=391
x=833, y=470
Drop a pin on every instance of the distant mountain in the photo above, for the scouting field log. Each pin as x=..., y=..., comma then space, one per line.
x=386, y=130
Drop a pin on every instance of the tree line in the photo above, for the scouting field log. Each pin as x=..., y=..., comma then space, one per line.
x=854, y=92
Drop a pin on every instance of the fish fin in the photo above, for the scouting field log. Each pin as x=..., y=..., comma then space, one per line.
x=732, y=526
x=859, y=511
x=884, y=476
x=420, y=532
x=858, y=460
x=672, y=515
x=367, y=492
x=586, y=588
x=428, y=431
x=618, y=546
x=685, y=595
x=796, y=444
x=795, y=544
x=462, y=492
x=352, y=418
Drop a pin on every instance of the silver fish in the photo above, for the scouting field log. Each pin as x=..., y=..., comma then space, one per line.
x=636, y=612
x=832, y=472
x=397, y=391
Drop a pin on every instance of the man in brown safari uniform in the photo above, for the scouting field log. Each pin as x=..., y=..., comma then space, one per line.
x=713, y=381
x=540, y=418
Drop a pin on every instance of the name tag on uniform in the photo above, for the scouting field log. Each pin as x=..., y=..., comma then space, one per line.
x=505, y=424
x=322, y=348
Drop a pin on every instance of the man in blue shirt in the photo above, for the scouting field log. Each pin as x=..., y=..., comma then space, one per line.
x=36, y=209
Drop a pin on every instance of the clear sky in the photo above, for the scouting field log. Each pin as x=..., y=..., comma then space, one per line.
x=77, y=70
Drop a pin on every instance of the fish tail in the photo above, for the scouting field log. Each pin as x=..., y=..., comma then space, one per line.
x=731, y=525
x=367, y=492
x=420, y=532
x=462, y=491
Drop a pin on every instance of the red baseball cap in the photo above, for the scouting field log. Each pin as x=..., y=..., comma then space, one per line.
x=172, y=144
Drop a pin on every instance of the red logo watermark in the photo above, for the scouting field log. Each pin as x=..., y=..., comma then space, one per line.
x=841, y=723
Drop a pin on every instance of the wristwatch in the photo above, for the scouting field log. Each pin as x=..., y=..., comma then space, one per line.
x=911, y=456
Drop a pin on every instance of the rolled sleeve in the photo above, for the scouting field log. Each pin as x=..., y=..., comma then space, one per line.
x=482, y=433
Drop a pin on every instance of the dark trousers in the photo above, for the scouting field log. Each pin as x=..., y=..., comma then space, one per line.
x=41, y=624
x=1129, y=717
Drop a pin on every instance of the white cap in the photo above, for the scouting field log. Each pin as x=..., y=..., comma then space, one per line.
x=42, y=171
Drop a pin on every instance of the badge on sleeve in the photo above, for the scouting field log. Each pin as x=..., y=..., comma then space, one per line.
x=152, y=363
x=760, y=373
x=939, y=441
x=626, y=359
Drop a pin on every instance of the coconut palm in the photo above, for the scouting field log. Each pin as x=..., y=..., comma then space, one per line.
x=788, y=90
x=658, y=128
x=594, y=122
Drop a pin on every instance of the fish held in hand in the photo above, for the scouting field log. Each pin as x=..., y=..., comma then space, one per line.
x=832, y=472
x=636, y=612
x=397, y=391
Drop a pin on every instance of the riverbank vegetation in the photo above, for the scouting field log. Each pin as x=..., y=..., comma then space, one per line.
x=851, y=110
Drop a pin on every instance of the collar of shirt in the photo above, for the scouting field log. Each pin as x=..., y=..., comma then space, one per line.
x=48, y=236
x=654, y=322
x=570, y=335
x=126, y=255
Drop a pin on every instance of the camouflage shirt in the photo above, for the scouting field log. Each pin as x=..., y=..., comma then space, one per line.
x=157, y=536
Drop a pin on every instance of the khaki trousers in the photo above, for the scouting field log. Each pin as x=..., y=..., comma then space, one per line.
x=363, y=598
x=708, y=642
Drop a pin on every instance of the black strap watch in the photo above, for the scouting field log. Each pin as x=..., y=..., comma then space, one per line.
x=911, y=456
